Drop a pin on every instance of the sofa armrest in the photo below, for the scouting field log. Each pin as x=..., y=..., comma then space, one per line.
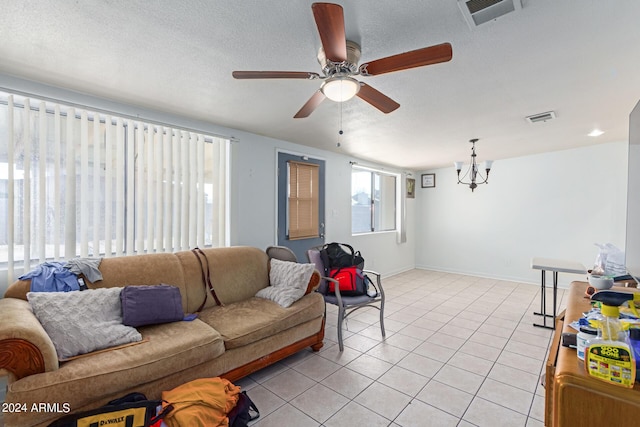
x=25, y=347
x=314, y=282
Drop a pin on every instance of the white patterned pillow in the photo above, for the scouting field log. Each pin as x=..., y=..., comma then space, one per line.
x=80, y=322
x=288, y=281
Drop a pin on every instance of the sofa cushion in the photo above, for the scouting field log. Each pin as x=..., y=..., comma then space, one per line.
x=288, y=280
x=237, y=273
x=171, y=347
x=245, y=322
x=151, y=305
x=80, y=322
x=145, y=269
x=290, y=274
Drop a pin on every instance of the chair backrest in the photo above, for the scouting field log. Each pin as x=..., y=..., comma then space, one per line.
x=282, y=253
x=315, y=258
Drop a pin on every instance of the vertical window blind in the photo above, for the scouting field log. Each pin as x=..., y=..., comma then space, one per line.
x=75, y=182
x=303, y=200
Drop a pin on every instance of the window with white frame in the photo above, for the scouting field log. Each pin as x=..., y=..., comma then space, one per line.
x=373, y=200
x=75, y=182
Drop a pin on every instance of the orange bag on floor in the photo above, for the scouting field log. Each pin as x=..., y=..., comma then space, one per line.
x=204, y=402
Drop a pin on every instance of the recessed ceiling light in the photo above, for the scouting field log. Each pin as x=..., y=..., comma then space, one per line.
x=596, y=132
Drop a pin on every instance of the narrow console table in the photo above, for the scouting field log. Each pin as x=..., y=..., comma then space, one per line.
x=572, y=397
x=556, y=266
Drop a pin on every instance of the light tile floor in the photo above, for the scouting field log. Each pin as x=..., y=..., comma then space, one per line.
x=459, y=351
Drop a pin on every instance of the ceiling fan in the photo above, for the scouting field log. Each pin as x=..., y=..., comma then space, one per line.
x=339, y=60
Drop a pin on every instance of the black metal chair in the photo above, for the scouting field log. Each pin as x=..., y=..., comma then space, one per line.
x=347, y=304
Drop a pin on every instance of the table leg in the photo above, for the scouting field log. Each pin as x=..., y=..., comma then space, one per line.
x=543, y=300
x=555, y=293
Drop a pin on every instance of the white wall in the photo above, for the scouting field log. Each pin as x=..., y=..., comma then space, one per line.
x=253, y=210
x=553, y=205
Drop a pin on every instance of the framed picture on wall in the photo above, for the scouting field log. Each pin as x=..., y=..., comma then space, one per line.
x=411, y=188
x=428, y=180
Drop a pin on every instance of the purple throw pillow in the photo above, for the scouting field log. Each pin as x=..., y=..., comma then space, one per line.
x=150, y=305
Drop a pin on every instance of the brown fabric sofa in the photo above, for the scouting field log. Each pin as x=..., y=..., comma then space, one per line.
x=231, y=341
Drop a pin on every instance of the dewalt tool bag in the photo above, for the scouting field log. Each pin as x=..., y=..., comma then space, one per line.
x=132, y=410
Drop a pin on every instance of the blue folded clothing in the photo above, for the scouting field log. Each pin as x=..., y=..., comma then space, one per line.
x=52, y=277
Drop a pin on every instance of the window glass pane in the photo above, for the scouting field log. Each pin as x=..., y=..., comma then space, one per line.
x=385, y=203
x=373, y=201
x=361, y=201
x=4, y=184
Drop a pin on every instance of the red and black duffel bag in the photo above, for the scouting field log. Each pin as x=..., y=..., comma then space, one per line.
x=352, y=282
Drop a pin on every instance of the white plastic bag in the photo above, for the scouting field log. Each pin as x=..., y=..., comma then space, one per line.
x=609, y=261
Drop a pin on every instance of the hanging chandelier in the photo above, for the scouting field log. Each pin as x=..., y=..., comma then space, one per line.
x=473, y=174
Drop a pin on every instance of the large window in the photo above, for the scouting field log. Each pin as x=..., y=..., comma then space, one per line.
x=75, y=182
x=373, y=200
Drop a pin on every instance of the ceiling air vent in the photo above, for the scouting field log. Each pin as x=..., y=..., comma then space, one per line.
x=478, y=12
x=542, y=117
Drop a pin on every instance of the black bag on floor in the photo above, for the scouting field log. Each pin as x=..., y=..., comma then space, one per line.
x=244, y=411
x=132, y=410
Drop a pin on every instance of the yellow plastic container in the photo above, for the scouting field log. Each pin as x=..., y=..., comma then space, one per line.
x=611, y=361
x=608, y=357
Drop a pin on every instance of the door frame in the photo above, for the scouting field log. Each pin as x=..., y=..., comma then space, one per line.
x=323, y=209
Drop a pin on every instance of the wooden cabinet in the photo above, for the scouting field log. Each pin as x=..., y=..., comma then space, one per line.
x=573, y=398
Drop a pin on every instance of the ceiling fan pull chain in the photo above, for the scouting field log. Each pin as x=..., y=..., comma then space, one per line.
x=340, y=132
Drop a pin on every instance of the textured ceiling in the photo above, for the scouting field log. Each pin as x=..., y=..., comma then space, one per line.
x=579, y=59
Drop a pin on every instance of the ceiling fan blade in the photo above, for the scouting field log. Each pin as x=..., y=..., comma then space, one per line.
x=330, y=22
x=310, y=105
x=404, y=61
x=376, y=98
x=274, y=75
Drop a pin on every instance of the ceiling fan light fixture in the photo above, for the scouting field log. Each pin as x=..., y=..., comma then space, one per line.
x=340, y=88
x=339, y=59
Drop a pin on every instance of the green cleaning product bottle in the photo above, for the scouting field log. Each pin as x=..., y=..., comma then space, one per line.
x=609, y=356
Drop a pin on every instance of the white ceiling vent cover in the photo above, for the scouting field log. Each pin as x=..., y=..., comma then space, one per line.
x=542, y=117
x=478, y=12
